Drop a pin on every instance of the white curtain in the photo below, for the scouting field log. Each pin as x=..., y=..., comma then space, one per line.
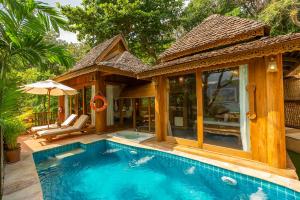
x=67, y=112
x=244, y=107
x=92, y=111
x=110, y=106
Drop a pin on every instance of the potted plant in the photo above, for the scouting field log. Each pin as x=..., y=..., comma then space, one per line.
x=12, y=128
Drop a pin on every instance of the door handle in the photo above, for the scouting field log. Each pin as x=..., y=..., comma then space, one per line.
x=251, y=114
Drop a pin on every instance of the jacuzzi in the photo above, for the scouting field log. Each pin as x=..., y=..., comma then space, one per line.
x=132, y=135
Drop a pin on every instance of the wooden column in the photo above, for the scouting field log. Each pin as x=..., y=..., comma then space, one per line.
x=121, y=101
x=258, y=126
x=161, y=113
x=134, y=113
x=83, y=100
x=275, y=119
x=61, y=103
x=200, y=131
x=100, y=88
x=149, y=113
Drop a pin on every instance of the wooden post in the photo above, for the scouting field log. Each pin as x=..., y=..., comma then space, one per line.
x=275, y=119
x=83, y=100
x=200, y=129
x=100, y=117
x=149, y=114
x=134, y=113
x=61, y=103
x=161, y=108
x=121, y=112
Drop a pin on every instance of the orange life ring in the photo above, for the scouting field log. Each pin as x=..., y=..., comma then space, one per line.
x=93, y=106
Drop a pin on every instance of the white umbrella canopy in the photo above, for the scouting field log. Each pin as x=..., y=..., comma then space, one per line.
x=50, y=88
x=43, y=88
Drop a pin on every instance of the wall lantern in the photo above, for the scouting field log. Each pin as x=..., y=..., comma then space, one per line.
x=272, y=65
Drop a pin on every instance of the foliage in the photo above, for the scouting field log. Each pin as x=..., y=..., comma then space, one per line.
x=274, y=13
x=277, y=15
x=12, y=128
x=147, y=25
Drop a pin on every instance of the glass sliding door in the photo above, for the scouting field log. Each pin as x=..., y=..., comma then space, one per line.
x=183, y=107
x=225, y=103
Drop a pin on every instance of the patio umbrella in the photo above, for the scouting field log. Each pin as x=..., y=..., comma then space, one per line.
x=49, y=88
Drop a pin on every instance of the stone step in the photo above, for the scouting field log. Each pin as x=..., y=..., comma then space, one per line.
x=69, y=153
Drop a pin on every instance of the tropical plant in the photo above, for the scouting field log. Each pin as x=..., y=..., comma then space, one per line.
x=23, y=25
x=12, y=128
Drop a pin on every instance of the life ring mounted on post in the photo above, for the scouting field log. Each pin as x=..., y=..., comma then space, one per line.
x=93, y=105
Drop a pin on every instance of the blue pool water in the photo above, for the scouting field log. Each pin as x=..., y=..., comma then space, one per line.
x=105, y=170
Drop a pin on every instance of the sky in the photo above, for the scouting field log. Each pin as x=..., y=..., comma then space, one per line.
x=65, y=35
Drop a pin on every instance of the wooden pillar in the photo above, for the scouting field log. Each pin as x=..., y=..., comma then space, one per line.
x=258, y=126
x=100, y=88
x=134, y=113
x=83, y=100
x=149, y=114
x=61, y=103
x=161, y=110
x=200, y=131
x=275, y=119
x=121, y=111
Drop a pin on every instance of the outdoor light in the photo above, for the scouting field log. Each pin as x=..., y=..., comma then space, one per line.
x=181, y=79
x=272, y=65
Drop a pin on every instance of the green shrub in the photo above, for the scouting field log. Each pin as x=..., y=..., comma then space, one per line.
x=12, y=128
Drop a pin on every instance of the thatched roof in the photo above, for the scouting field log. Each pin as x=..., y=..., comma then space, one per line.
x=215, y=31
x=125, y=62
x=258, y=48
x=90, y=58
x=100, y=58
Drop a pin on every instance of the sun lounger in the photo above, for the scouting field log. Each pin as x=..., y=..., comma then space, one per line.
x=66, y=123
x=78, y=126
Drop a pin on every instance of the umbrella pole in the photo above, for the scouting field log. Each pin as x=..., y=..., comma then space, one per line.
x=49, y=90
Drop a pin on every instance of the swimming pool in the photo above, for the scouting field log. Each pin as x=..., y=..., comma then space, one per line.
x=112, y=171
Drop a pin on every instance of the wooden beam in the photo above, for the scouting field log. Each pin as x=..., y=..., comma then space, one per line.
x=200, y=131
x=161, y=113
x=275, y=122
x=100, y=89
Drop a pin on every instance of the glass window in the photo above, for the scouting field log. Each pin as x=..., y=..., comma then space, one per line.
x=224, y=107
x=183, y=107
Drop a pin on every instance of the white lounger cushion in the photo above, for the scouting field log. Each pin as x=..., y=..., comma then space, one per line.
x=66, y=123
x=69, y=120
x=44, y=127
x=78, y=125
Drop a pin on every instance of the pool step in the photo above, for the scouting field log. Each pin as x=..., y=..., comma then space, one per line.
x=69, y=153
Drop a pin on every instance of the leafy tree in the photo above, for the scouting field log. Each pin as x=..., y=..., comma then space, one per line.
x=276, y=13
x=23, y=27
x=147, y=25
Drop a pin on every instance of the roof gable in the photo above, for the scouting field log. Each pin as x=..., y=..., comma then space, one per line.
x=215, y=31
x=99, y=52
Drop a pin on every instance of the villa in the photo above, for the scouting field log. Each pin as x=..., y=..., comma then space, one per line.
x=219, y=88
x=225, y=91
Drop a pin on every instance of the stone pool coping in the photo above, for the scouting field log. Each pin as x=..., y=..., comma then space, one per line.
x=21, y=180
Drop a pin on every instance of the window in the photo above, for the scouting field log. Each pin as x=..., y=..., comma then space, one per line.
x=183, y=107
x=225, y=102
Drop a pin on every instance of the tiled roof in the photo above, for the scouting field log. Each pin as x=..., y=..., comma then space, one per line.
x=90, y=58
x=125, y=62
x=262, y=47
x=215, y=31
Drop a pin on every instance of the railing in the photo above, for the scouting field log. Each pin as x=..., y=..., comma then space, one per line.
x=41, y=118
x=1, y=162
